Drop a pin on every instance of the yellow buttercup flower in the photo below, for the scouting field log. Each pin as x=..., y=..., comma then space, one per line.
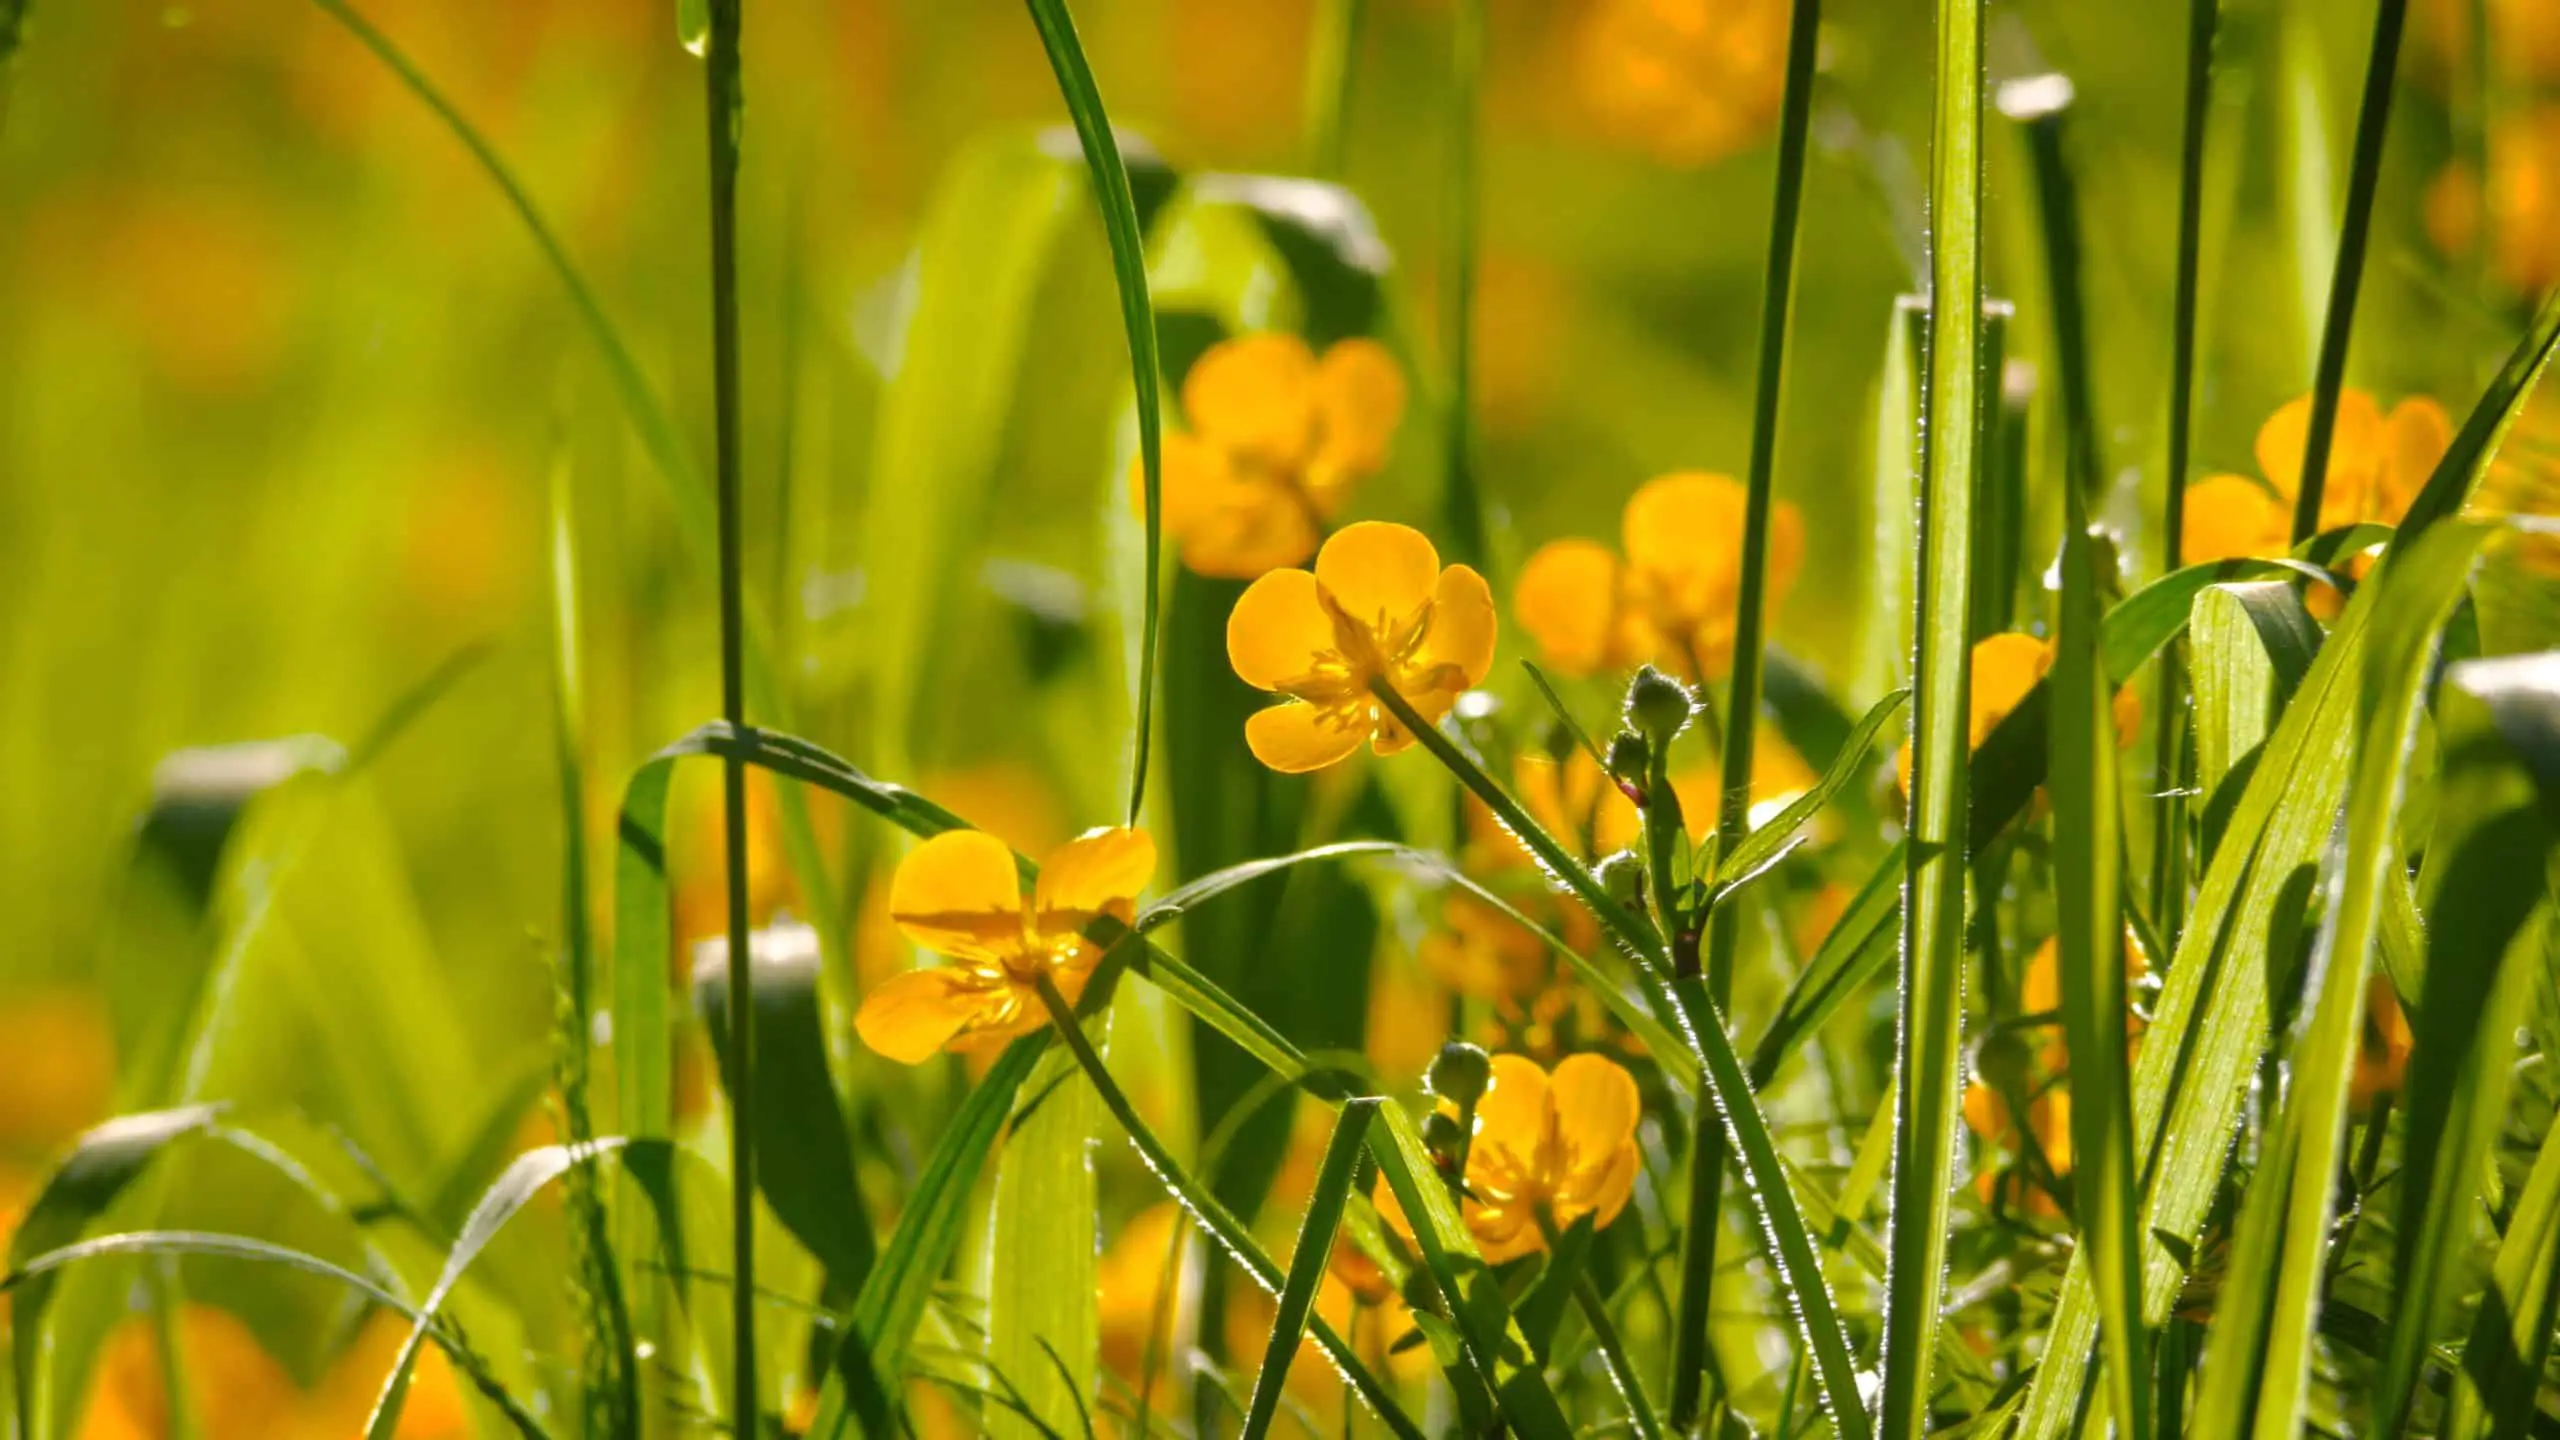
x=1377, y=606
x=1564, y=1144
x=2377, y=465
x=2005, y=668
x=2382, y=1052
x=959, y=895
x=236, y=1390
x=1277, y=438
x=1688, y=81
x=1671, y=599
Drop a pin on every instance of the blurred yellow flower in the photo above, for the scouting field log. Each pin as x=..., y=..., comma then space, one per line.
x=62, y=1067
x=959, y=894
x=1127, y=1281
x=2518, y=206
x=1562, y=1144
x=700, y=863
x=1987, y=1113
x=2377, y=465
x=235, y=1390
x=1671, y=600
x=2382, y=1052
x=2006, y=668
x=1687, y=81
x=1377, y=606
x=1278, y=437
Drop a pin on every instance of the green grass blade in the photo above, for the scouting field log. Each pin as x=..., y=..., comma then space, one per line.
x=2496, y=1390
x=2209, y=1024
x=1765, y=843
x=1039, y=1291
x=2253, y=643
x=2489, y=858
x=1928, y=1060
x=1129, y=267
x=2084, y=783
x=1307, y=1263
x=2364, y=178
x=1332, y=58
x=1461, y=501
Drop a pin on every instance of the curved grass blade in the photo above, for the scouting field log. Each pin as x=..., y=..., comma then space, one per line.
x=1765, y=843
x=522, y=1181
x=2500, y=1380
x=2491, y=849
x=1307, y=1263
x=1928, y=1052
x=2210, y=1021
x=1129, y=266
x=41, y=1268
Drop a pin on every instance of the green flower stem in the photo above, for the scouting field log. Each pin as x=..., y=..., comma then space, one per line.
x=1330, y=62
x=1604, y=1333
x=1204, y=1207
x=1728, y=1089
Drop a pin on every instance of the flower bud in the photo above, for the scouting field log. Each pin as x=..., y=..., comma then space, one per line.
x=1628, y=758
x=1622, y=875
x=1657, y=705
x=1461, y=1072
x=1442, y=1137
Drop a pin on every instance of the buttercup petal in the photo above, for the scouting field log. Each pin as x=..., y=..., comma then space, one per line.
x=960, y=893
x=1786, y=550
x=1512, y=1116
x=1596, y=1106
x=911, y=1016
x=1098, y=872
x=1463, y=625
x=1254, y=395
x=1985, y=1113
x=2230, y=517
x=1684, y=532
x=1196, y=476
x=1380, y=575
x=2005, y=668
x=1293, y=737
x=2414, y=441
x=1567, y=599
x=1255, y=525
x=1604, y=1192
x=1278, y=630
x=2355, y=452
x=1360, y=396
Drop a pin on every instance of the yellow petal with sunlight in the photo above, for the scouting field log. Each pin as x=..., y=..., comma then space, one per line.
x=1099, y=872
x=1195, y=476
x=1380, y=574
x=1512, y=1116
x=1253, y=526
x=960, y=894
x=2415, y=439
x=912, y=1016
x=2231, y=517
x=1567, y=599
x=1294, y=737
x=1360, y=396
x=1596, y=1106
x=2355, y=454
x=1602, y=1192
x=1278, y=631
x=1254, y=395
x=1463, y=625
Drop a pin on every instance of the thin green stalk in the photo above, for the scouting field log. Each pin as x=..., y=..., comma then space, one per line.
x=1727, y=1089
x=2372, y=121
x=1742, y=697
x=722, y=110
x=2170, y=763
x=1928, y=1058
x=1460, y=498
x=1332, y=53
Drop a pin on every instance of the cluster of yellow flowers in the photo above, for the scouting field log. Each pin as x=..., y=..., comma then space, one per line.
x=2513, y=210
x=2377, y=465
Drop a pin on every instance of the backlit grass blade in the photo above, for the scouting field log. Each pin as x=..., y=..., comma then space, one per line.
x=2257, y=1360
x=2488, y=860
x=2209, y=1024
x=2252, y=642
x=2496, y=1389
x=1040, y=1306
x=1461, y=500
x=2084, y=783
x=1764, y=843
x=1129, y=267
x=2364, y=179
x=1307, y=1263
x=1928, y=1055
x=1332, y=58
